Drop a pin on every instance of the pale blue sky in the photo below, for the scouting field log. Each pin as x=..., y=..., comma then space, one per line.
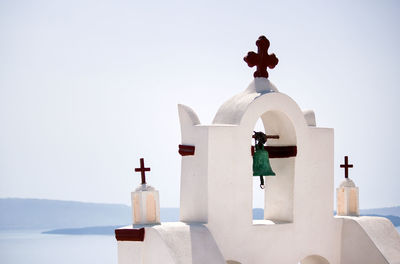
x=89, y=87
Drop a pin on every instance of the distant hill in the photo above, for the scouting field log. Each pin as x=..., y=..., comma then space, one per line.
x=44, y=214
x=93, y=230
x=173, y=214
x=47, y=214
x=395, y=211
x=391, y=213
x=393, y=218
x=18, y=213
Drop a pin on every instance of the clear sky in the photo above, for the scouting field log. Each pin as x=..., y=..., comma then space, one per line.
x=89, y=87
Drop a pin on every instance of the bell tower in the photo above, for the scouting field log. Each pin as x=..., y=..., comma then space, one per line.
x=218, y=164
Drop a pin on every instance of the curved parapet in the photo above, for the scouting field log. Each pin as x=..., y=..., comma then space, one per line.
x=188, y=119
x=187, y=116
x=309, y=115
x=369, y=239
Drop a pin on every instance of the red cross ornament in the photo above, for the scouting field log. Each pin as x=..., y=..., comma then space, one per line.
x=142, y=170
x=346, y=166
x=261, y=59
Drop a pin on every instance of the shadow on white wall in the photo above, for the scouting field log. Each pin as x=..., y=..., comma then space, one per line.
x=314, y=259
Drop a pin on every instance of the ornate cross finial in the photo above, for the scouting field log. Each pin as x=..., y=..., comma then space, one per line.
x=261, y=59
x=346, y=166
x=142, y=170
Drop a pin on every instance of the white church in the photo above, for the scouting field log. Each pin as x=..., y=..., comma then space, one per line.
x=216, y=198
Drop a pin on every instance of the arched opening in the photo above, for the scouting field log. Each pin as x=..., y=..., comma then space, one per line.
x=278, y=194
x=314, y=259
x=258, y=193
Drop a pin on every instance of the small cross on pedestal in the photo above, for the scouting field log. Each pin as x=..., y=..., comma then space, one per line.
x=261, y=59
x=346, y=166
x=145, y=204
x=347, y=193
x=142, y=170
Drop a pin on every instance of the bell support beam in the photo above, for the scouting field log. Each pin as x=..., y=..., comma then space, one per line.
x=279, y=151
x=129, y=234
x=186, y=150
x=273, y=151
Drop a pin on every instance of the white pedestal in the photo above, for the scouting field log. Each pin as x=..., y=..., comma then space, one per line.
x=145, y=205
x=130, y=252
x=347, y=199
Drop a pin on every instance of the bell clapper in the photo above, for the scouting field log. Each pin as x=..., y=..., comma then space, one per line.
x=262, y=186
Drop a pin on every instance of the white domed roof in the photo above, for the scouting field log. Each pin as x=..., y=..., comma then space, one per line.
x=347, y=183
x=144, y=187
x=233, y=109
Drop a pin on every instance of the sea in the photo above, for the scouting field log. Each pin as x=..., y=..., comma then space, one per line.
x=18, y=247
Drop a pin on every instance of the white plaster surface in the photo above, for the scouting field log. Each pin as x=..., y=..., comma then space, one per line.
x=177, y=243
x=155, y=249
x=193, y=191
x=369, y=239
x=130, y=252
x=190, y=243
x=384, y=235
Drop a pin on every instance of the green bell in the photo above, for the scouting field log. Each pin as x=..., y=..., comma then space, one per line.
x=261, y=165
